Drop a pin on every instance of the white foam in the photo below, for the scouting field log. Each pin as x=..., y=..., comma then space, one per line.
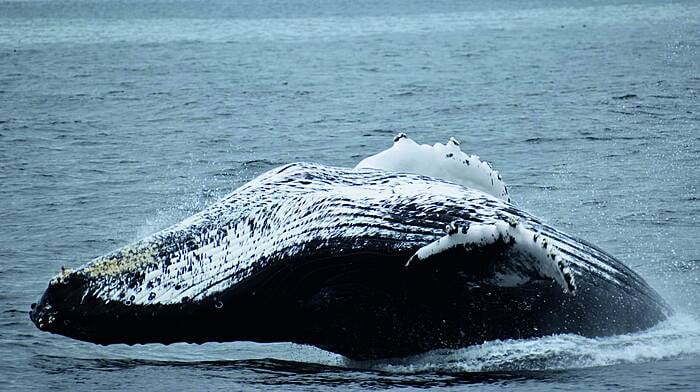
x=676, y=337
x=446, y=162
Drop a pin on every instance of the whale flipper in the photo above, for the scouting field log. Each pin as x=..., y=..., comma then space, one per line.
x=529, y=255
x=444, y=161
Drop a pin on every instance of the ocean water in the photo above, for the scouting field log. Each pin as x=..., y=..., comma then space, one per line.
x=119, y=118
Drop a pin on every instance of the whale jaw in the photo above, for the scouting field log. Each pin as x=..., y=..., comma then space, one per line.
x=361, y=305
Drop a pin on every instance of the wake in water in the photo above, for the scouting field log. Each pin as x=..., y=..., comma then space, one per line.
x=676, y=337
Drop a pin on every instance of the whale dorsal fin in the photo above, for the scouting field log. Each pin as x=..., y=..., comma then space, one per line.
x=446, y=162
x=529, y=255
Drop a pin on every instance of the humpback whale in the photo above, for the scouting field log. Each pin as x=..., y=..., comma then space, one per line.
x=414, y=249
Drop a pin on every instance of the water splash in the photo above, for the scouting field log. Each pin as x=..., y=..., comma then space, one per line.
x=676, y=337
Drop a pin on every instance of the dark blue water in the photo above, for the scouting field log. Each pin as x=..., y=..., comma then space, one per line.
x=118, y=118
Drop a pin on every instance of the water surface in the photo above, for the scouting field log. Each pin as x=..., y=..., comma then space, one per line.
x=118, y=118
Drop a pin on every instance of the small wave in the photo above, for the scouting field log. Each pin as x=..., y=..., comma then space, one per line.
x=679, y=336
x=626, y=96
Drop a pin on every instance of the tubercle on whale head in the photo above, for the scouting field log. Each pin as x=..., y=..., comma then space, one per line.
x=73, y=305
x=63, y=296
x=128, y=259
x=60, y=299
x=61, y=276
